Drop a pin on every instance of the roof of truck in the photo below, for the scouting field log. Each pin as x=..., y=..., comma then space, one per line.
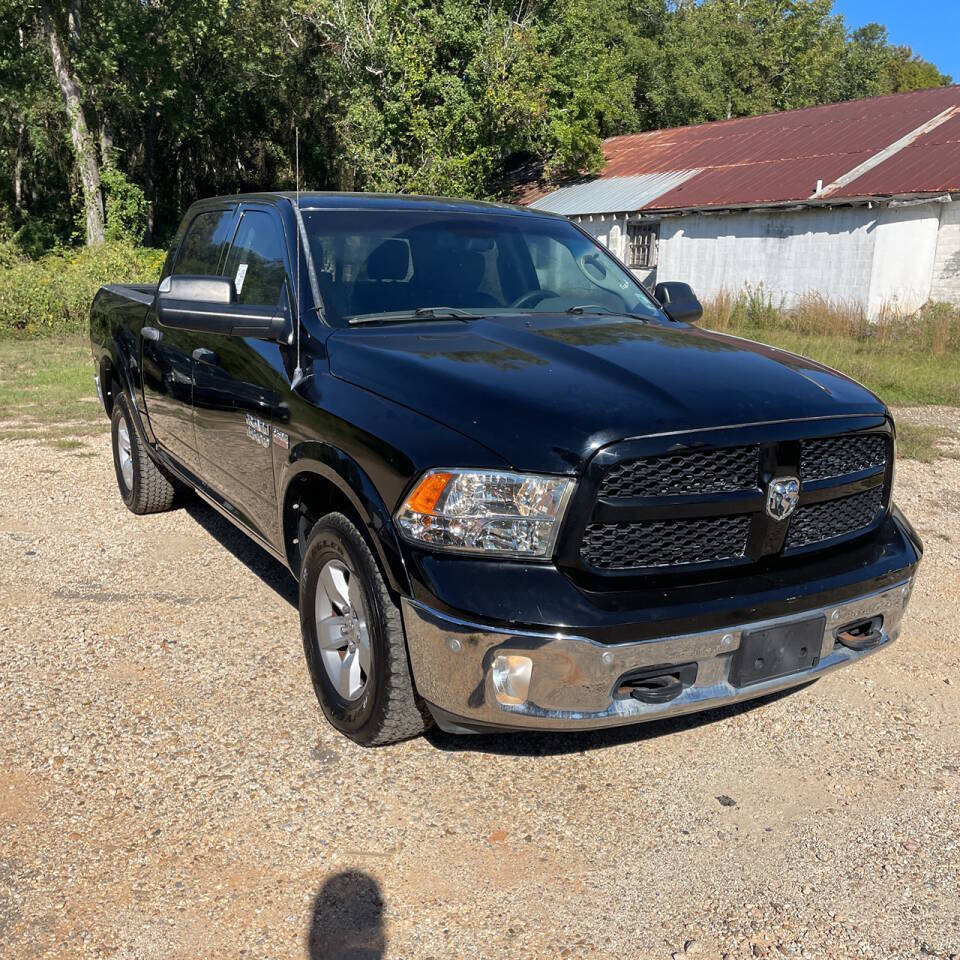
x=384, y=201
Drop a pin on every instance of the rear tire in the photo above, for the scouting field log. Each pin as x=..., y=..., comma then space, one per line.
x=144, y=488
x=353, y=639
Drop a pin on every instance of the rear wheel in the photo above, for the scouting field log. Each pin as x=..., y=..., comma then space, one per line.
x=353, y=639
x=143, y=486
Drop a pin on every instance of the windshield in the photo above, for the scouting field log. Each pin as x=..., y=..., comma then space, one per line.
x=384, y=265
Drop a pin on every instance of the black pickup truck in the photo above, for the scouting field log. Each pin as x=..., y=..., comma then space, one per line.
x=517, y=490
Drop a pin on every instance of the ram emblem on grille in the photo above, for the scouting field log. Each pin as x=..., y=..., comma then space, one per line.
x=783, y=495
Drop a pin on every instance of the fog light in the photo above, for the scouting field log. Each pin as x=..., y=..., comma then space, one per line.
x=511, y=678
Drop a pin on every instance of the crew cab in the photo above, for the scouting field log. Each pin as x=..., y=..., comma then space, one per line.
x=517, y=489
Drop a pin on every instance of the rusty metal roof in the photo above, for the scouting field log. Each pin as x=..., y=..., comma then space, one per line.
x=902, y=144
x=930, y=164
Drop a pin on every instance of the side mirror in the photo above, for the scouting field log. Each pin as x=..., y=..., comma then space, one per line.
x=198, y=289
x=209, y=305
x=679, y=302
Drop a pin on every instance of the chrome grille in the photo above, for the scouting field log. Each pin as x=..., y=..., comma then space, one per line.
x=661, y=543
x=700, y=471
x=818, y=522
x=829, y=457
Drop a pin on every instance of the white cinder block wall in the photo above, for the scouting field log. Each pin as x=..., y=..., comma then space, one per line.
x=852, y=255
x=905, y=244
x=875, y=258
x=610, y=230
x=788, y=254
x=946, y=265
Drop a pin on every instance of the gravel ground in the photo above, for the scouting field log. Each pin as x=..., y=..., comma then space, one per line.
x=168, y=787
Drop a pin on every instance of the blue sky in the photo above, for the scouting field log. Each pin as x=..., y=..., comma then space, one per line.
x=931, y=27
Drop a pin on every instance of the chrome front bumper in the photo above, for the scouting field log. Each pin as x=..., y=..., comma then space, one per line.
x=574, y=680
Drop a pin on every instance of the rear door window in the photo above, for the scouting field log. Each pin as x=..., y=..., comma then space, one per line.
x=204, y=243
x=256, y=259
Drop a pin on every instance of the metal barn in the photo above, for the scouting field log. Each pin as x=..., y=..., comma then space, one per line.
x=858, y=202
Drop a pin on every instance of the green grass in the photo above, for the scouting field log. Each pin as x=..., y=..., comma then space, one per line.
x=67, y=443
x=925, y=442
x=898, y=371
x=47, y=392
x=905, y=358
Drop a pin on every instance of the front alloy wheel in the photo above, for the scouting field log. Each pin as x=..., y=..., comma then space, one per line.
x=125, y=454
x=343, y=630
x=353, y=638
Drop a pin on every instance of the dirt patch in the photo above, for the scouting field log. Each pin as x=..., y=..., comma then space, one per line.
x=168, y=787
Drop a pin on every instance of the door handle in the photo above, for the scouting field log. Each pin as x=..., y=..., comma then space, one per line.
x=151, y=333
x=203, y=355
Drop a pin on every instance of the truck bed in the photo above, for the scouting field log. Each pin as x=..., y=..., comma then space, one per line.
x=118, y=310
x=142, y=293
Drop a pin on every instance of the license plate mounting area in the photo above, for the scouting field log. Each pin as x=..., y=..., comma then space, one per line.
x=777, y=651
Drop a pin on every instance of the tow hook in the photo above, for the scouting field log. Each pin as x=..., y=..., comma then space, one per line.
x=658, y=684
x=861, y=634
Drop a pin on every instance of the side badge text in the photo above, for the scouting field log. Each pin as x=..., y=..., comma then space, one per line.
x=258, y=430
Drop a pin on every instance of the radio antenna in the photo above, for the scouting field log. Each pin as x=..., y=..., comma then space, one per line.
x=298, y=372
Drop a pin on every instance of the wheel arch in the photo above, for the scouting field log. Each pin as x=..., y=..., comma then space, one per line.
x=111, y=380
x=325, y=478
x=114, y=368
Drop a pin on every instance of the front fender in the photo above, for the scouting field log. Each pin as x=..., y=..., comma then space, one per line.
x=329, y=462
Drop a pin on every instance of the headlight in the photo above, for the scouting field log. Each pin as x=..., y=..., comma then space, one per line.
x=485, y=511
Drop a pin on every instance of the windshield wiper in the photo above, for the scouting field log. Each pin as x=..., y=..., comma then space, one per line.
x=421, y=313
x=441, y=312
x=601, y=310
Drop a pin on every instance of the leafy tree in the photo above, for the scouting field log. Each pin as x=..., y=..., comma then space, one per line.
x=907, y=71
x=158, y=102
x=62, y=29
x=36, y=163
x=871, y=66
x=732, y=58
x=126, y=207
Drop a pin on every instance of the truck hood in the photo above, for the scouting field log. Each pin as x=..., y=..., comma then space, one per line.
x=545, y=392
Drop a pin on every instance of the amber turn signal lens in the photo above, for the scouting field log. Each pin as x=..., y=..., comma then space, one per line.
x=424, y=498
x=495, y=512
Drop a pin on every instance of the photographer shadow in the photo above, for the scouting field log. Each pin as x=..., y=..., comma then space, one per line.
x=347, y=919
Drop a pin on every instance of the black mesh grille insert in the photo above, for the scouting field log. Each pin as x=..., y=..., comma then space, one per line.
x=660, y=543
x=833, y=518
x=836, y=456
x=702, y=471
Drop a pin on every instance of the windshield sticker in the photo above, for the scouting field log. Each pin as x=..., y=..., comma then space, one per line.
x=241, y=274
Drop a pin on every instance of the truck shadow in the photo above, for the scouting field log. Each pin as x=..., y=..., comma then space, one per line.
x=273, y=573
x=531, y=744
x=347, y=919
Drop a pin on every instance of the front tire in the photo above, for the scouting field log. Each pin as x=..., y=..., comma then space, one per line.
x=143, y=487
x=353, y=639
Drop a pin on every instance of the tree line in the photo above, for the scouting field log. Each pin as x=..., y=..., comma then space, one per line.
x=116, y=114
